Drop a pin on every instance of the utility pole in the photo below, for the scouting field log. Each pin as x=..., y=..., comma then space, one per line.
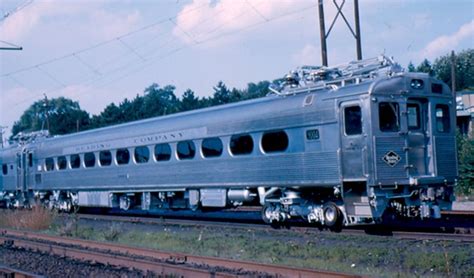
x=357, y=30
x=1, y=133
x=324, y=35
x=46, y=112
x=453, y=73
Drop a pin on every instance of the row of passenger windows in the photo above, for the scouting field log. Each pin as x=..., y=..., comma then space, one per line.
x=242, y=144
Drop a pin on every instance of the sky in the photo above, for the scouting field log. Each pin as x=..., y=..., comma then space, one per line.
x=102, y=51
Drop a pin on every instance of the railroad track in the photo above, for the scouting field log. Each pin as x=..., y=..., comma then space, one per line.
x=159, y=262
x=372, y=230
x=7, y=272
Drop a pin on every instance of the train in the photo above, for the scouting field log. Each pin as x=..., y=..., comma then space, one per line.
x=334, y=146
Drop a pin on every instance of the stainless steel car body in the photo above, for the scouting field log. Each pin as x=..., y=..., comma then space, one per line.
x=409, y=167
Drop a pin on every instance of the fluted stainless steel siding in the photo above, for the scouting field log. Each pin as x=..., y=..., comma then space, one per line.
x=287, y=168
x=383, y=145
x=446, y=162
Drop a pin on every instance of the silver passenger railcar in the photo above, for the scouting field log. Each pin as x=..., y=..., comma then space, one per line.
x=334, y=146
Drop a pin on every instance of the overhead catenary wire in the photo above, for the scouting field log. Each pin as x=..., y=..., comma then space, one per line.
x=131, y=49
x=97, y=45
x=150, y=60
x=87, y=65
x=184, y=31
x=17, y=81
x=45, y=72
x=256, y=10
x=153, y=60
x=17, y=9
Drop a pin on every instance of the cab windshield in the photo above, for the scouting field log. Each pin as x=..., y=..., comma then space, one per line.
x=389, y=116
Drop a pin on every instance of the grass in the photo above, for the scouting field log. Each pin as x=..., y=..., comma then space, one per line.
x=366, y=255
x=376, y=256
x=36, y=218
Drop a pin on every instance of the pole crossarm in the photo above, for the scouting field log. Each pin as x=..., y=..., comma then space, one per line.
x=324, y=35
x=339, y=12
x=10, y=46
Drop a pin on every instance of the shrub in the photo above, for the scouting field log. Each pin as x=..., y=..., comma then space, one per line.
x=36, y=218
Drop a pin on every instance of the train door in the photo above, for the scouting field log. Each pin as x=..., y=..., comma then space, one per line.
x=352, y=141
x=22, y=164
x=389, y=140
x=416, y=138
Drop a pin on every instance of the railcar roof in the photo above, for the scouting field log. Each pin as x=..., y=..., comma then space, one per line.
x=321, y=94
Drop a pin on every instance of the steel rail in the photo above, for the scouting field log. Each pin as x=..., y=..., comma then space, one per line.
x=146, y=259
x=15, y=273
x=421, y=235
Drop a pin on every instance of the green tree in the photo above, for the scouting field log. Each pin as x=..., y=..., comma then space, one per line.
x=411, y=67
x=111, y=115
x=464, y=69
x=425, y=66
x=466, y=164
x=222, y=94
x=160, y=101
x=189, y=101
x=257, y=90
x=61, y=114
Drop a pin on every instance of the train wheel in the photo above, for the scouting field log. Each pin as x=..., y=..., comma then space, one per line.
x=332, y=216
x=267, y=211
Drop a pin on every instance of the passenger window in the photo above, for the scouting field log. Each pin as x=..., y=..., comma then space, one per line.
x=105, y=158
x=389, y=117
x=123, y=156
x=212, y=147
x=89, y=160
x=442, y=118
x=49, y=164
x=274, y=141
x=62, y=163
x=241, y=144
x=5, y=169
x=186, y=150
x=162, y=152
x=353, y=120
x=75, y=161
x=413, y=116
x=142, y=154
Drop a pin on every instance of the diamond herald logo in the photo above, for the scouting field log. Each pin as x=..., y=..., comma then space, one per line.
x=391, y=158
